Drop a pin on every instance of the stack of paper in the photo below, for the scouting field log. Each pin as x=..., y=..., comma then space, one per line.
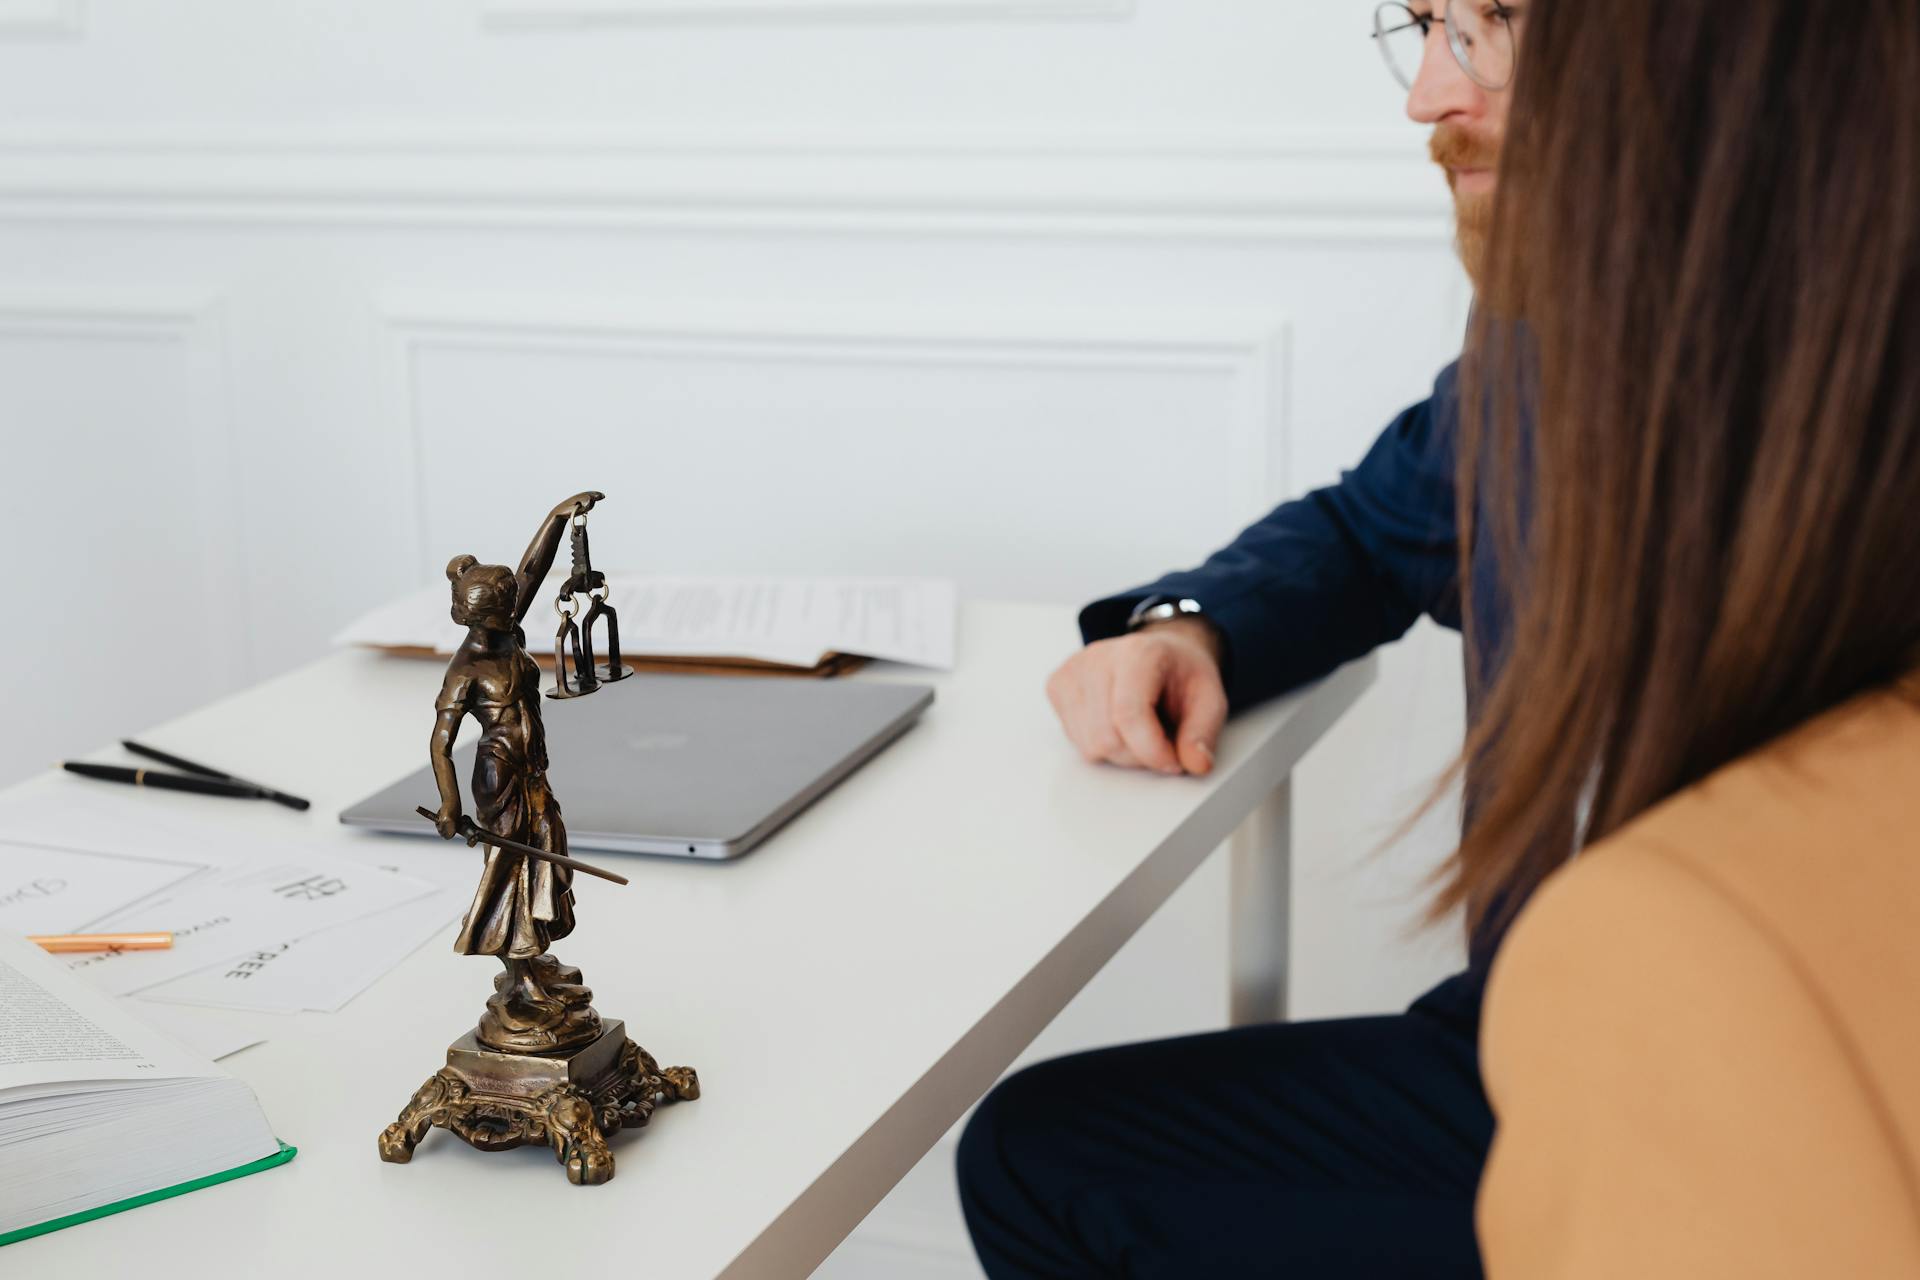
x=324, y=969
x=305, y=925
x=792, y=622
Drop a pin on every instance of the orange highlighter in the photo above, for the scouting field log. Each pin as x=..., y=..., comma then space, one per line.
x=64, y=944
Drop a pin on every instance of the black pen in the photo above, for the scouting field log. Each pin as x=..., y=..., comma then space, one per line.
x=168, y=781
x=207, y=771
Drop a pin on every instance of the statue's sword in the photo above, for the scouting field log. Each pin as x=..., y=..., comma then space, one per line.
x=474, y=834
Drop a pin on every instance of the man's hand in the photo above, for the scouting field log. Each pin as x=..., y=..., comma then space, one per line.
x=1111, y=697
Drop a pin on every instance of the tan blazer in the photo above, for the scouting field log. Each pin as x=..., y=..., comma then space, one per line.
x=1702, y=1038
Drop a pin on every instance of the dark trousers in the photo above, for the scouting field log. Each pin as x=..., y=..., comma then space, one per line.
x=1345, y=1149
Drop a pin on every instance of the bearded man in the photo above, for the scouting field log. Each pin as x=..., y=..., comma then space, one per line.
x=1349, y=1148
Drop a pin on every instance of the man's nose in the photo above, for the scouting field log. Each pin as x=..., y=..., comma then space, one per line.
x=1442, y=88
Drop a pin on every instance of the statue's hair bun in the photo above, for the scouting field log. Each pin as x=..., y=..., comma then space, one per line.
x=459, y=565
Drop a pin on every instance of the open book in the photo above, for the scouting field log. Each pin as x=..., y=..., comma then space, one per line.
x=99, y=1112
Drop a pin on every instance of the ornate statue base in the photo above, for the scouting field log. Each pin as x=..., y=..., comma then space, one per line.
x=573, y=1100
x=538, y=1006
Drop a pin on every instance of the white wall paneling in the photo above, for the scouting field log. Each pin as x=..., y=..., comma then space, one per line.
x=509, y=13
x=876, y=441
x=122, y=514
x=1315, y=185
x=40, y=18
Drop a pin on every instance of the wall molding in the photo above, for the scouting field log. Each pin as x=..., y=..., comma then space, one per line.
x=508, y=14
x=1332, y=184
x=31, y=19
x=195, y=321
x=1253, y=349
x=158, y=315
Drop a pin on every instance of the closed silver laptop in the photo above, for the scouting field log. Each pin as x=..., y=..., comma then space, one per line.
x=685, y=766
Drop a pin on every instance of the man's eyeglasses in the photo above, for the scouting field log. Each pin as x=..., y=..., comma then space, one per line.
x=1479, y=33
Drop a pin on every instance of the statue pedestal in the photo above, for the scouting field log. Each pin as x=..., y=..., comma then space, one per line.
x=571, y=1101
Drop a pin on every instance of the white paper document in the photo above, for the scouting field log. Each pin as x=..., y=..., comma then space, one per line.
x=323, y=971
x=240, y=909
x=795, y=621
x=76, y=857
x=50, y=890
x=211, y=1033
x=894, y=619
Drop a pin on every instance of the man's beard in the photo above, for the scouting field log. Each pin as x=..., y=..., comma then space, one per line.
x=1472, y=224
x=1453, y=147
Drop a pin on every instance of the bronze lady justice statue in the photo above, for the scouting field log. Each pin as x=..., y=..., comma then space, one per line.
x=540, y=1066
x=522, y=905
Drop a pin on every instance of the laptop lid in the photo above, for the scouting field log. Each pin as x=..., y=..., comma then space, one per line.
x=684, y=766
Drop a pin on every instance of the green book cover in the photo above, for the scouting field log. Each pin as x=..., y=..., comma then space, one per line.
x=284, y=1154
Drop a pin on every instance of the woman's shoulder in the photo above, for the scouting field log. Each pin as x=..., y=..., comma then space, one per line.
x=1759, y=919
x=1679, y=1092
x=1812, y=842
x=1613, y=953
x=1814, y=838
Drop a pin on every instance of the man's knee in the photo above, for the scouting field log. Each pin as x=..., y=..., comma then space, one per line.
x=1017, y=1166
x=982, y=1158
x=1017, y=1143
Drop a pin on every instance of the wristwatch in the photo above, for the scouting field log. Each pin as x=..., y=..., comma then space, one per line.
x=1160, y=609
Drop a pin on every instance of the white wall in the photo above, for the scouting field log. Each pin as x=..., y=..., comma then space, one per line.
x=1043, y=294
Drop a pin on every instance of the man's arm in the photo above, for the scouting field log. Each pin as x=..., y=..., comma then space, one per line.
x=1331, y=576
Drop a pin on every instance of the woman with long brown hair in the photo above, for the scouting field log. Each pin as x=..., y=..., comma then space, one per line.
x=1692, y=842
x=1702, y=1037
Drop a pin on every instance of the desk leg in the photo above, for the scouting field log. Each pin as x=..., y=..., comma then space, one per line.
x=1258, y=915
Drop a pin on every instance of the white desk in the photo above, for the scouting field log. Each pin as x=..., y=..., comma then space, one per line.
x=846, y=991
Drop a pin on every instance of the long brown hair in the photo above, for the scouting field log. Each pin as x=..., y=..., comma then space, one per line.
x=1692, y=406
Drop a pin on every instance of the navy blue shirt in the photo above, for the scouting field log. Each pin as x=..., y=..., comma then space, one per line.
x=1329, y=577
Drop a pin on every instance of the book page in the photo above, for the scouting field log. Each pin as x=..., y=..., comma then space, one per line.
x=54, y=1028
